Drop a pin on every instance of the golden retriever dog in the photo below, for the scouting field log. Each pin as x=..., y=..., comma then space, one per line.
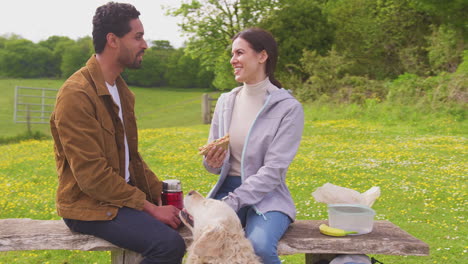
x=218, y=237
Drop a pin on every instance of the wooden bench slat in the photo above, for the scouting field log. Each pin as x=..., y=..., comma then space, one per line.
x=27, y=234
x=302, y=237
x=386, y=238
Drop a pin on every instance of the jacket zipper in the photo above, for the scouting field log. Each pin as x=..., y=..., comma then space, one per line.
x=245, y=147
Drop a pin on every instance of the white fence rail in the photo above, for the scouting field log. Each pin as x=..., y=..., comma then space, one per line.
x=33, y=105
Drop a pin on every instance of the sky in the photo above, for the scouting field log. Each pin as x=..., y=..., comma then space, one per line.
x=37, y=20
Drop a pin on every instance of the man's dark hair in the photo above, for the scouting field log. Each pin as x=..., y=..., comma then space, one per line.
x=112, y=18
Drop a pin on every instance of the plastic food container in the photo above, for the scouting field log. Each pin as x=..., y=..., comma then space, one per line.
x=351, y=217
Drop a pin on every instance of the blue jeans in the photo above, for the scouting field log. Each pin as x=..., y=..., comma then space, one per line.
x=137, y=231
x=263, y=234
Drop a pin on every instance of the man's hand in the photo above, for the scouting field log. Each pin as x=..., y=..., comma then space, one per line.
x=167, y=214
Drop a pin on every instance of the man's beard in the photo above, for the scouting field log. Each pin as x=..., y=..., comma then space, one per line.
x=136, y=64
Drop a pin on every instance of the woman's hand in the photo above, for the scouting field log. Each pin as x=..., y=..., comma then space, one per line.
x=215, y=157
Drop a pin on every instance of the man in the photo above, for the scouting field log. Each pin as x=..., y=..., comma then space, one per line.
x=105, y=188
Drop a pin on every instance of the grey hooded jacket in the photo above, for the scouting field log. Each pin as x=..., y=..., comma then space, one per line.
x=269, y=148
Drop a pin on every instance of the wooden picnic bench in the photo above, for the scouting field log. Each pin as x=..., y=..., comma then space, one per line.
x=302, y=237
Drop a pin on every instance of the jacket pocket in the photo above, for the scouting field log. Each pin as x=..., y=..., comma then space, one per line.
x=108, y=126
x=109, y=143
x=107, y=204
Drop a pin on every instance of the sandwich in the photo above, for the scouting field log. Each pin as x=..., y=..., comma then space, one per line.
x=220, y=142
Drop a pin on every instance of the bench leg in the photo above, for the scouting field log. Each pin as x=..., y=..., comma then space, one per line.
x=125, y=257
x=315, y=258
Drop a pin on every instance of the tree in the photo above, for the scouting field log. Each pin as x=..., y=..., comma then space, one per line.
x=75, y=56
x=24, y=59
x=445, y=49
x=186, y=72
x=373, y=33
x=324, y=73
x=449, y=32
x=3, y=40
x=448, y=12
x=57, y=45
x=298, y=25
x=161, y=45
x=210, y=25
x=154, y=66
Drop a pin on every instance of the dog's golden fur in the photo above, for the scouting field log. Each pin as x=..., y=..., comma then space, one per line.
x=218, y=237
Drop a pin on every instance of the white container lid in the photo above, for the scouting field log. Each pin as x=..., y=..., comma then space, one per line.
x=350, y=209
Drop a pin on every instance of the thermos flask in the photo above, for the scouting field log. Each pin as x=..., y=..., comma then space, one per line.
x=172, y=193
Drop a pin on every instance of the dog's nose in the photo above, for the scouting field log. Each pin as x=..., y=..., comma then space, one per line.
x=191, y=192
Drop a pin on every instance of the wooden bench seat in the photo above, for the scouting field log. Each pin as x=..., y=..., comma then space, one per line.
x=302, y=237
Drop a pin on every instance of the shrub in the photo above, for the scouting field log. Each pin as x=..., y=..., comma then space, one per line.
x=405, y=89
x=322, y=74
x=445, y=49
x=358, y=89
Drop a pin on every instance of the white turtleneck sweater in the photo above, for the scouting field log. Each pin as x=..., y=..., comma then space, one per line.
x=249, y=101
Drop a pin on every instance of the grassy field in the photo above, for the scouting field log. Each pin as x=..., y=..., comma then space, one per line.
x=420, y=164
x=164, y=108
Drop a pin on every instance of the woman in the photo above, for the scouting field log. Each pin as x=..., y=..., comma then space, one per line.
x=265, y=125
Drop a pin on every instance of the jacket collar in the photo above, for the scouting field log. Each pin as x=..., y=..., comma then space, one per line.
x=277, y=94
x=97, y=76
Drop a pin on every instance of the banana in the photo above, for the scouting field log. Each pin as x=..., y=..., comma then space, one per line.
x=331, y=231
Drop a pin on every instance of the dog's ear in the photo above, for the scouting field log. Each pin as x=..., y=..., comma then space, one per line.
x=211, y=241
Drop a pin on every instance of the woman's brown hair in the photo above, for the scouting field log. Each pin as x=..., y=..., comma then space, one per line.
x=259, y=40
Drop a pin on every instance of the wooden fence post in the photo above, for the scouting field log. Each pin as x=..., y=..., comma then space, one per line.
x=206, y=108
x=28, y=119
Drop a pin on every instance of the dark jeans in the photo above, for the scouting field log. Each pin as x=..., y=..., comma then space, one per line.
x=137, y=231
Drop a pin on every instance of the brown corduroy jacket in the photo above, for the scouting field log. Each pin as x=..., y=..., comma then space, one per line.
x=89, y=149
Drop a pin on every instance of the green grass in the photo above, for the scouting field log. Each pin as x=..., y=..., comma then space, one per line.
x=164, y=108
x=8, y=128
x=168, y=107
x=420, y=163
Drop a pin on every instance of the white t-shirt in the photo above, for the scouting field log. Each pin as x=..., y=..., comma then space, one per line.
x=115, y=95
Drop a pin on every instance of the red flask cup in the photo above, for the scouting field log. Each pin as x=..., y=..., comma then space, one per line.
x=172, y=193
